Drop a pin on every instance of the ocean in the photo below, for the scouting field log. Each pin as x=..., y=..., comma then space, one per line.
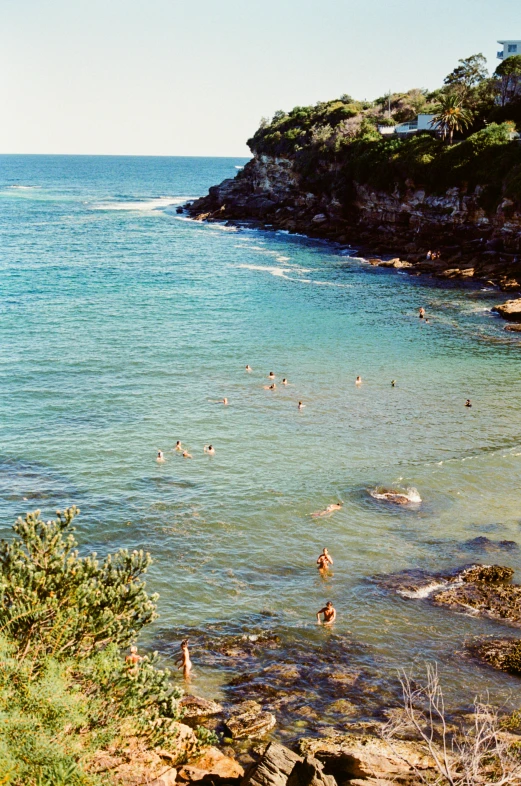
x=122, y=325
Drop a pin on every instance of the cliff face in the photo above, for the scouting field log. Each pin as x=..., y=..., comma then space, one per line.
x=472, y=240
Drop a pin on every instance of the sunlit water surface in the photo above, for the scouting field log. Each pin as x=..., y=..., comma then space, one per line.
x=123, y=323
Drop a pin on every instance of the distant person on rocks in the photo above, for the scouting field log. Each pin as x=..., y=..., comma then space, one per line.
x=210, y=450
x=468, y=403
x=249, y=368
x=325, y=560
x=421, y=313
x=184, y=660
x=330, y=509
x=429, y=254
x=329, y=614
x=160, y=458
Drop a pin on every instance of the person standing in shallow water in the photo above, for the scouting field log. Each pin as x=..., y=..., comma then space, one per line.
x=325, y=560
x=421, y=313
x=329, y=614
x=184, y=661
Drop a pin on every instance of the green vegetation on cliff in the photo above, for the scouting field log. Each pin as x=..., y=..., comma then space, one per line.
x=66, y=692
x=337, y=142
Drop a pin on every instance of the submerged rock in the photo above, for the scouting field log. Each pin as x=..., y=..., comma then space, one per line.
x=485, y=544
x=249, y=719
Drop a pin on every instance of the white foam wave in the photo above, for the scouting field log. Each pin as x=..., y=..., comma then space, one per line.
x=140, y=205
x=274, y=271
x=400, y=497
x=239, y=167
x=423, y=592
x=24, y=188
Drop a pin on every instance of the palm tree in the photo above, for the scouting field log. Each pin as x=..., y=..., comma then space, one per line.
x=452, y=116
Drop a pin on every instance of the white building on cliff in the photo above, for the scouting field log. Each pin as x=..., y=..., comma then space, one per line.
x=509, y=48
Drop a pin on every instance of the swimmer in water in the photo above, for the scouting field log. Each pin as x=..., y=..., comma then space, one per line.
x=330, y=509
x=210, y=450
x=184, y=660
x=329, y=614
x=421, y=313
x=225, y=402
x=358, y=381
x=178, y=445
x=467, y=403
x=284, y=381
x=249, y=368
x=325, y=560
x=186, y=454
x=160, y=458
x=393, y=383
x=301, y=405
x=270, y=387
x=271, y=375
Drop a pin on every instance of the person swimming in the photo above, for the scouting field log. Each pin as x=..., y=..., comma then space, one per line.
x=225, y=401
x=271, y=375
x=358, y=381
x=329, y=614
x=249, y=368
x=421, y=313
x=270, y=387
x=186, y=454
x=184, y=660
x=210, y=450
x=324, y=560
x=284, y=381
x=393, y=383
x=468, y=403
x=330, y=509
x=160, y=458
x=178, y=445
x=301, y=405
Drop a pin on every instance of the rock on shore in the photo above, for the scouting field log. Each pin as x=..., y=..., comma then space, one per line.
x=511, y=310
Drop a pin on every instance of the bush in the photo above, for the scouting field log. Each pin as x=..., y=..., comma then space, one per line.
x=65, y=690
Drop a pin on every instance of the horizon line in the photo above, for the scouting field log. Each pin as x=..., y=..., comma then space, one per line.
x=125, y=155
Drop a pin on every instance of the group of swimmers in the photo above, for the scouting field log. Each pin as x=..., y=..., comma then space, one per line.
x=184, y=662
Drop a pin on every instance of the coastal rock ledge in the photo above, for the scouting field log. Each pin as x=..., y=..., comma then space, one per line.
x=470, y=241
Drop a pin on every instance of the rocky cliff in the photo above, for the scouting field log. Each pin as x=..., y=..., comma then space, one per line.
x=469, y=239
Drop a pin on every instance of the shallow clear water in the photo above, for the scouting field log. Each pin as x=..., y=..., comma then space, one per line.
x=121, y=323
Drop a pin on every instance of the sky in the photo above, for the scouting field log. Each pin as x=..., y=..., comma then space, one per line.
x=178, y=77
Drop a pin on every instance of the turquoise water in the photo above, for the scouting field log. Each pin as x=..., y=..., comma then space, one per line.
x=122, y=323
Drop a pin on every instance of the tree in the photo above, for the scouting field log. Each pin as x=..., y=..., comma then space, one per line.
x=56, y=603
x=451, y=117
x=467, y=75
x=509, y=79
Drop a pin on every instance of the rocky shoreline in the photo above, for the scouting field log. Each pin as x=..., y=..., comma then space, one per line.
x=395, y=230
x=338, y=748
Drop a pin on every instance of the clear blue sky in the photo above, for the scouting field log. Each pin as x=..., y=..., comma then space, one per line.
x=194, y=77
